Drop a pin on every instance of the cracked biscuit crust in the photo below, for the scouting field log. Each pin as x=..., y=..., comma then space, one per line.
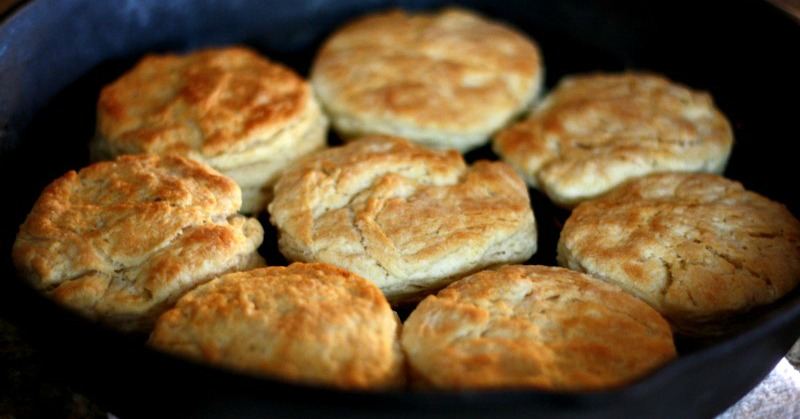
x=228, y=107
x=409, y=218
x=597, y=130
x=698, y=247
x=119, y=241
x=532, y=326
x=311, y=323
x=446, y=79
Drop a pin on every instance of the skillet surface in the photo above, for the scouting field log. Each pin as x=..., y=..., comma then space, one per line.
x=56, y=55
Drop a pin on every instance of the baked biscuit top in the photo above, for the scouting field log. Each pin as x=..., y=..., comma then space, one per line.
x=404, y=216
x=208, y=102
x=533, y=326
x=700, y=248
x=119, y=239
x=426, y=75
x=596, y=130
x=309, y=323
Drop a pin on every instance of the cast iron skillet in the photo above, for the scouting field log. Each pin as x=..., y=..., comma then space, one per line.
x=55, y=56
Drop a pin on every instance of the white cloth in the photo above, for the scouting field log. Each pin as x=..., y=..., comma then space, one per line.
x=777, y=397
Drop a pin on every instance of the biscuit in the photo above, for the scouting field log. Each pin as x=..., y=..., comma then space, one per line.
x=408, y=218
x=119, y=241
x=597, y=130
x=698, y=247
x=533, y=326
x=229, y=107
x=308, y=323
x=446, y=79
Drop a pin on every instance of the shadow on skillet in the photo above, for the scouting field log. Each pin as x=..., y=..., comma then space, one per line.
x=48, y=88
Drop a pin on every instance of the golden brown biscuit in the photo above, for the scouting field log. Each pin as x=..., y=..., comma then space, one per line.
x=597, y=130
x=532, y=326
x=699, y=248
x=307, y=323
x=408, y=218
x=120, y=241
x=229, y=107
x=446, y=79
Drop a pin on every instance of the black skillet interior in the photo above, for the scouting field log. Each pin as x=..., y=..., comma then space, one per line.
x=56, y=55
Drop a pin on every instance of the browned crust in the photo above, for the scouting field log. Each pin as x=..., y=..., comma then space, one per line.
x=209, y=102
